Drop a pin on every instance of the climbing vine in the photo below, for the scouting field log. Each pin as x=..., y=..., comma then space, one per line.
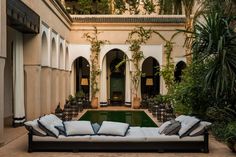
x=94, y=58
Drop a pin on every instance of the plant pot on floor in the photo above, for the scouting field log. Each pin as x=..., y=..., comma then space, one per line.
x=136, y=102
x=94, y=102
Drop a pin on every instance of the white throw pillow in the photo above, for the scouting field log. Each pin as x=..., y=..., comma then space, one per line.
x=73, y=128
x=163, y=126
x=33, y=125
x=48, y=123
x=113, y=128
x=200, y=129
x=187, y=125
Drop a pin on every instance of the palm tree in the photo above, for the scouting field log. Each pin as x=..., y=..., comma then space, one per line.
x=214, y=41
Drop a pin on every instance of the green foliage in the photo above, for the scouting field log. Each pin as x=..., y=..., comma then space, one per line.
x=149, y=6
x=119, y=6
x=189, y=95
x=133, y=6
x=167, y=71
x=170, y=7
x=136, y=38
x=94, y=58
x=214, y=40
x=93, y=7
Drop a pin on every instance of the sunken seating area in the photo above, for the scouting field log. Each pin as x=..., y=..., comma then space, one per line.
x=185, y=134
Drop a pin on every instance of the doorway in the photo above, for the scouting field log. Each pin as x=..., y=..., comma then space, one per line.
x=150, y=80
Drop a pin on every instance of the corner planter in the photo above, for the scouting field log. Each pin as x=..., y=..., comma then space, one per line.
x=94, y=102
x=136, y=102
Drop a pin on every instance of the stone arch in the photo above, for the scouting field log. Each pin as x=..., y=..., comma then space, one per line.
x=150, y=81
x=44, y=50
x=61, y=58
x=53, y=54
x=67, y=59
x=80, y=76
x=180, y=66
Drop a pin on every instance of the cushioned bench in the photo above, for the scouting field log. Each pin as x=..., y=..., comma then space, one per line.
x=136, y=139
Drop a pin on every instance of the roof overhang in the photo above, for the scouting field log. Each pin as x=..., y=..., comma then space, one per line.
x=22, y=18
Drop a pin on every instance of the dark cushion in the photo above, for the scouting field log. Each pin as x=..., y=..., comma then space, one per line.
x=96, y=127
x=61, y=130
x=173, y=128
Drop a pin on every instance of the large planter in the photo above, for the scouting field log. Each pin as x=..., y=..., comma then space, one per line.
x=136, y=102
x=94, y=102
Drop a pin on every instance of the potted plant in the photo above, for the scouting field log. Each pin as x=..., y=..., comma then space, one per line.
x=94, y=58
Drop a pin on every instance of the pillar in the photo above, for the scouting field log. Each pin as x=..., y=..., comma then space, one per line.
x=32, y=91
x=18, y=81
x=127, y=84
x=2, y=65
x=54, y=89
x=3, y=39
x=103, y=84
x=45, y=90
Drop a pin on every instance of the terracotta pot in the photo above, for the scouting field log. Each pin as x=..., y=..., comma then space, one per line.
x=136, y=102
x=94, y=102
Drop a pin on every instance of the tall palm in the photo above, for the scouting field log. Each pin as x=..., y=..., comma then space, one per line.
x=215, y=42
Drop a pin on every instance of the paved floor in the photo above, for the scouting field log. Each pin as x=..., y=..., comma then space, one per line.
x=17, y=147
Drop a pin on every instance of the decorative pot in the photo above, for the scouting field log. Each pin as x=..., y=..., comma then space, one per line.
x=136, y=102
x=94, y=102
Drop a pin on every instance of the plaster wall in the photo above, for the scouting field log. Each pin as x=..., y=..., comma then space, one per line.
x=2, y=64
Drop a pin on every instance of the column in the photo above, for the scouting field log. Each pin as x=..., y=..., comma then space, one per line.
x=32, y=91
x=2, y=65
x=18, y=81
x=127, y=84
x=103, y=84
x=46, y=90
x=3, y=40
x=54, y=89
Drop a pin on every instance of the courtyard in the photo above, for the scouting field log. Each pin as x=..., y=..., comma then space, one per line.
x=157, y=72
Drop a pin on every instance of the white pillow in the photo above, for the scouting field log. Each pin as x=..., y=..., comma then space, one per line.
x=48, y=123
x=200, y=129
x=78, y=128
x=163, y=126
x=33, y=125
x=113, y=128
x=187, y=125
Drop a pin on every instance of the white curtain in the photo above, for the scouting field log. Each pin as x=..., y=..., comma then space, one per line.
x=103, y=85
x=127, y=84
x=18, y=81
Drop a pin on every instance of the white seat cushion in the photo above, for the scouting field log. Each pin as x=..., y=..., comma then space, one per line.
x=61, y=138
x=134, y=134
x=165, y=138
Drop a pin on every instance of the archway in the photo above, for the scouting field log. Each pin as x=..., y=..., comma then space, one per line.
x=54, y=54
x=180, y=66
x=44, y=50
x=61, y=59
x=150, y=80
x=67, y=59
x=81, y=76
x=115, y=77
